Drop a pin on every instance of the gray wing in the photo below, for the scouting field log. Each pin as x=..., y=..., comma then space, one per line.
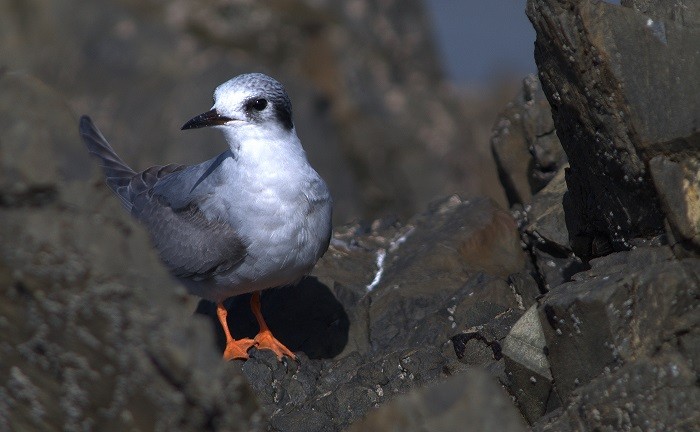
x=190, y=244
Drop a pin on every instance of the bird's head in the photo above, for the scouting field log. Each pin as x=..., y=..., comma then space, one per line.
x=249, y=103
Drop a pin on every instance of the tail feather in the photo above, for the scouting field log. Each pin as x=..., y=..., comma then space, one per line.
x=117, y=173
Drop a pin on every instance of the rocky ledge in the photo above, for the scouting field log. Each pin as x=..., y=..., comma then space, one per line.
x=576, y=309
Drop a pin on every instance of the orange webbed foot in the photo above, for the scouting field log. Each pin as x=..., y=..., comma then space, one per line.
x=265, y=340
x=238, y=349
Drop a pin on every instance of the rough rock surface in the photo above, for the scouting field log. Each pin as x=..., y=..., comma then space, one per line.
x=528, y=367
x=531, y=165
x=525, y=145
x=623, y=88
x=612, y=345
x=620, y=341
x=546, y=235
x=678, y=185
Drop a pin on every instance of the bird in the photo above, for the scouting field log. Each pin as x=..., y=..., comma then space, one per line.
x=256, y=216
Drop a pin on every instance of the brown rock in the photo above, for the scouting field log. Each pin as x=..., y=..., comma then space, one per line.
x=678, y=186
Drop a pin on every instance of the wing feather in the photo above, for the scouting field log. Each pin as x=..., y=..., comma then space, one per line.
x=160, y=197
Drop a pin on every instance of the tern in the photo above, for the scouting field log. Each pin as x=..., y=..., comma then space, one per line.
x=256, y=216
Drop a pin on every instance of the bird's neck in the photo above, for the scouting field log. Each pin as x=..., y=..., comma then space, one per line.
x=256, y=146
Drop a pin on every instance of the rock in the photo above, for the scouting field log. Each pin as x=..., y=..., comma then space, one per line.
x=613, y=344
x=33, y=138
x=361, y=341
x=471, y=398
x=618, y=312
x=531, y=164
x=614, y=77
x=678, y=186
x=527, y=367
x=547, y=235
x=546, y=214
x=687, y=12
x=418, y=302
x=652, y=393
x=524, y=144
x=431, y=270
x=525, y=288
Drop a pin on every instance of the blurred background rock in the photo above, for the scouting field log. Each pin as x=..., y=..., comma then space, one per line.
x=394, y=100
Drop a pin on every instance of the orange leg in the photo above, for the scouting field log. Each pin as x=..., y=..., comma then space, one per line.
x=235, y=349
x=264, y=338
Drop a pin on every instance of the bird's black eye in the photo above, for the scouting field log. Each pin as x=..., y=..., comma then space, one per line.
x=258, y=104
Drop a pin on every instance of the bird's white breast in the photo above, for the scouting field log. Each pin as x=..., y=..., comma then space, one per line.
x=281, y=206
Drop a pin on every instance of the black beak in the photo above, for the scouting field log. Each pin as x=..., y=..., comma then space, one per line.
x=209, y=118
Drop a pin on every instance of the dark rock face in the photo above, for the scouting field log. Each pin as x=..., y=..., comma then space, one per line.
x=532, y=165
x=616, y=339
x=614, y=78
x=649, y=394
x=611, y=296
x=602, y=349
x=547, y=236
x=612, y=344
x=525, y=145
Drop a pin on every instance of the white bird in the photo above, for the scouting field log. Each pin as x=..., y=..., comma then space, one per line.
x=254, y=217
